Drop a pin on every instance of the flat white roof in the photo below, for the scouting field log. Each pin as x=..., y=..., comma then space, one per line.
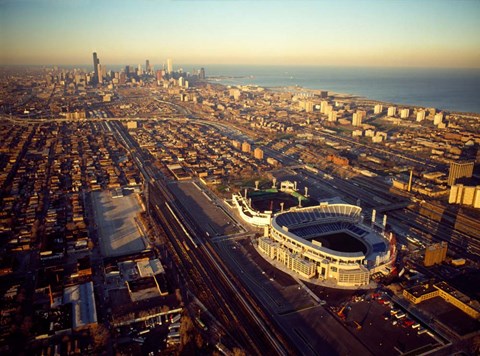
x=150, y=268
x=84, y=311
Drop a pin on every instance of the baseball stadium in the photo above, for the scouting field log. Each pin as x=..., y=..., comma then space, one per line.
x=328, y=242
x=257, y=207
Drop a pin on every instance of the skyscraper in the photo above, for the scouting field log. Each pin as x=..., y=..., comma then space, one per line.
x=169, y=66
x=202, y=73
x=96, y=62
x=100, y=73
x=122, y=78
x=147, y=66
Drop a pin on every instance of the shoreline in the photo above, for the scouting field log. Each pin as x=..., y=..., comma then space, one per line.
x=286, y=88
x=341, y=96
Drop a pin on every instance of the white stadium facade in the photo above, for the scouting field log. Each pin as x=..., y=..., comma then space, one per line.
x=328, y=242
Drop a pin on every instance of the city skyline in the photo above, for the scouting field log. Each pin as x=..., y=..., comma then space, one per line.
x=157, y=207
x=345, y=33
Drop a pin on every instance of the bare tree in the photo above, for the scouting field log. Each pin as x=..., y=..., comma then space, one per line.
x=199, y=341
x=101, y=336
x=178, y=294
x=238, y=352
x=186, y=328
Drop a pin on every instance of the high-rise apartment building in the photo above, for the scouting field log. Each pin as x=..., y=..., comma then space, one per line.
x=332, y=116
x=404, y=113
x=235, y=92
x=435, y=254
x=438, y=118
x=456, y=194
x=169, y=66
x=420, y=115
x=308, y=106
x=377, y=109
x=357, y=119
x=323, y=106
x=246, y=147
x=392, y=110
x=459, y=170
x=258, y=153
x=328, y=109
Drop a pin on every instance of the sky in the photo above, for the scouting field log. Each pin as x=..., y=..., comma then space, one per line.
x=392, y=33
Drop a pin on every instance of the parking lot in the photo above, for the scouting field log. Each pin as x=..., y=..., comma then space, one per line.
x=370, y=319
x=204, y=210
x=151, y=335
x=115, y=219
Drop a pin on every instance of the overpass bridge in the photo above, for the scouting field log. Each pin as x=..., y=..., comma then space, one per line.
x=21, y=121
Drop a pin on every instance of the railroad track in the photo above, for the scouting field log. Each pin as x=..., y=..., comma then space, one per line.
x=204, y=276
x=440, y=231
x=211, y=291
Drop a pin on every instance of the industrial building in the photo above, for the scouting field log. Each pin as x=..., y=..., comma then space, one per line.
x=427, y=291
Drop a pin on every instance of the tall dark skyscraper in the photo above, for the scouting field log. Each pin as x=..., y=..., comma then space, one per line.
x=96, y=61
x=147, y=66
x=202, y=73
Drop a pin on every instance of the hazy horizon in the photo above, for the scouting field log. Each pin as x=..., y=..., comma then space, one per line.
x=371, y=33
x=186, y=66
